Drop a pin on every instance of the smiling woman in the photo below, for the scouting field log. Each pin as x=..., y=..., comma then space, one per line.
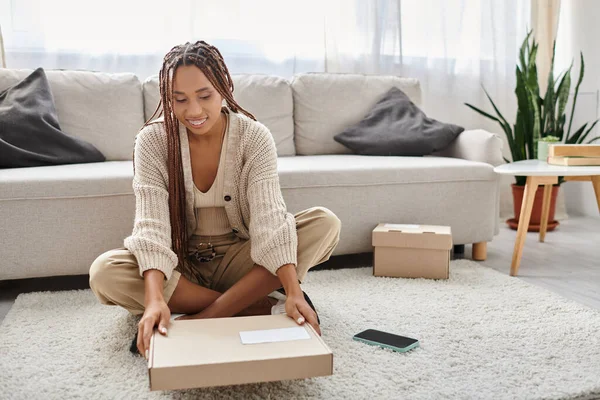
x=200, y=109
x=212, y=236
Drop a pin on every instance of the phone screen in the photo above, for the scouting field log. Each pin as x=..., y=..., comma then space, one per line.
x=386, y=338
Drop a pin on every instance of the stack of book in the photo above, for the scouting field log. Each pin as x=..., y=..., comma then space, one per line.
x=574, y=154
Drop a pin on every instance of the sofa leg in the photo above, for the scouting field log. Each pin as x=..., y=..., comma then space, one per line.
x=480, y=251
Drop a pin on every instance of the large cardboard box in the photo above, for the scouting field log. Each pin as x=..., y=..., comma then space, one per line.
x=209, y=352
x=412, y=251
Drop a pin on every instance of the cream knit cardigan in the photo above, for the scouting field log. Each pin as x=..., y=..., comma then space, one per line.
x=253, y=200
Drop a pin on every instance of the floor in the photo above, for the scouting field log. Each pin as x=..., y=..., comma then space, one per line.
x=567, y=263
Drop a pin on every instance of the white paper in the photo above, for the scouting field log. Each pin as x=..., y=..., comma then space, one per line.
x=274, y=335
x=401, y=226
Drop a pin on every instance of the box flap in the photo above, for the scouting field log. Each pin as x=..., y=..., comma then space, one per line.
x=413, y=236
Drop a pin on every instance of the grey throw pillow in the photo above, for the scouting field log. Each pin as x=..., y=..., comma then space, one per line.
x=30, y=134
x=397, y=127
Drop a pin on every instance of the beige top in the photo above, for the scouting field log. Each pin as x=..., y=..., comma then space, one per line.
x=211, y=217
x=253, y=200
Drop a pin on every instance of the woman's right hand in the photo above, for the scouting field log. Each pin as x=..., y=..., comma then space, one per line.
x=157, y=313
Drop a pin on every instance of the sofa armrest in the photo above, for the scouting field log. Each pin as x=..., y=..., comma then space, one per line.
x=475, y=145
x=479, y=145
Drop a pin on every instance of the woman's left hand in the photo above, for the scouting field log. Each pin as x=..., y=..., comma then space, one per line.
x=298, y=309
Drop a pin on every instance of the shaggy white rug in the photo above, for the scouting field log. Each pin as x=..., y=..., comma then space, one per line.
x=484, y=335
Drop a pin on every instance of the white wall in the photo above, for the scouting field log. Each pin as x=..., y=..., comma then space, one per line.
x=579, y=30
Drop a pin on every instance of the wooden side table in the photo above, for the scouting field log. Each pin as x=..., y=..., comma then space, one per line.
x=542, y=173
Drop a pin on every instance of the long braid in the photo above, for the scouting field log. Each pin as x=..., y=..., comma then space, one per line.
x=211, y=63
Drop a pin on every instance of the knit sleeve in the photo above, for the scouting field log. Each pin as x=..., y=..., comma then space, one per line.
x=150, y=241
x=274, y=240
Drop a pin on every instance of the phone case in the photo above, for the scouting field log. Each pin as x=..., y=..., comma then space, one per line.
x=397, y=349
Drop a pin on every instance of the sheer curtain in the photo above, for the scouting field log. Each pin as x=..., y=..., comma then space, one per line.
x=265, y=36
x=578, y=30
x=2, y=55
x=452, y=46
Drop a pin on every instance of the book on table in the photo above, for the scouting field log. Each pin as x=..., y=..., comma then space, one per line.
x=573, y=160
x=574, y=150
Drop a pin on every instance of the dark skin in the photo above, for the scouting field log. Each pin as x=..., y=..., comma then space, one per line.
x=197, y=104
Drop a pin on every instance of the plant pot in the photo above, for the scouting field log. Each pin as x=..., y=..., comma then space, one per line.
x=542, y=150
x=536, y=213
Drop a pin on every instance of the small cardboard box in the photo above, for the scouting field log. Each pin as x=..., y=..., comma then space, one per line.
x=412, y=251
x=209, y=352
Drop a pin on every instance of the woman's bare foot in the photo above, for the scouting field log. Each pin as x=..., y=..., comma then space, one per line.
x=261, y=307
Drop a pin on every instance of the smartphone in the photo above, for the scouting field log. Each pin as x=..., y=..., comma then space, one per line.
x=387, y=340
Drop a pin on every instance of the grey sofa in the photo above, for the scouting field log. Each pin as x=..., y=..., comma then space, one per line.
x=56, y=220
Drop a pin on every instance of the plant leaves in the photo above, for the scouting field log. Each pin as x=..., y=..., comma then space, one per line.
x=573, y=139
x=518, y=147
x=581, y=72
x=582, y=138
x=549, y=100
x=563, y=93
x=524, y=46
x=524, y=124
x=504, y=125
x=536, y=132
x=483, y=112
x=562, y=98
x=539, y=117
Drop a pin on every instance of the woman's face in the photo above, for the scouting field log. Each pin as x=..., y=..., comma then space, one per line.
x=196, y=103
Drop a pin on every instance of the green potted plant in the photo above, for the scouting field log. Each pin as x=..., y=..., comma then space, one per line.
x=538, y=119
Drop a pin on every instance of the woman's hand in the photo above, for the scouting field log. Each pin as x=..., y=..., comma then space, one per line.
x=296, y=306
x=298, y=309
x=157, y=313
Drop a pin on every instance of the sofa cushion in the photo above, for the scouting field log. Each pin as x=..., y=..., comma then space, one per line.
x=351, y=170
x=57, y=219
x=107, y=178
x=104, y=109
x=325, y=104
x=268, y=98
x=30, y=135
x=365, y=190
x=397, y=127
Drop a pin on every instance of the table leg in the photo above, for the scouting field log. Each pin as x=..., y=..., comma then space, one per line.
x=545, y=211
x=531, y=186
x=596, y=183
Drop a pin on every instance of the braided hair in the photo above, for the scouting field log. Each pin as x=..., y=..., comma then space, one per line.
x=211, y=63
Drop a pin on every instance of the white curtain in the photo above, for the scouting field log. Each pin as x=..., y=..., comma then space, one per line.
x=544, y=18
x=2, y=56
x=578, y=30
x=452, y=46
x=265, y=36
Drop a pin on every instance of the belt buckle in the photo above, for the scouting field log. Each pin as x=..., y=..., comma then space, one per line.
x=201, y=258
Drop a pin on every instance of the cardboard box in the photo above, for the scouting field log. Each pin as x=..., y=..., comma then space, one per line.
x=209, y=352
x=412, y=251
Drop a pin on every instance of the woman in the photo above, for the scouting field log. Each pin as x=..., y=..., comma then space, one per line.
x=212, y=236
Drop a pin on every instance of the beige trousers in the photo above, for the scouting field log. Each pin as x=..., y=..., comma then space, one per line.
x=115, y=278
